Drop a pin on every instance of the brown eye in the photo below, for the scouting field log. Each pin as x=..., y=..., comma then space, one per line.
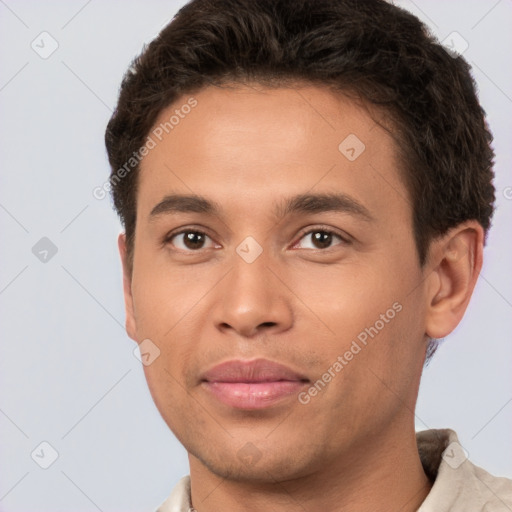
x=319, y=239
x=191, y=240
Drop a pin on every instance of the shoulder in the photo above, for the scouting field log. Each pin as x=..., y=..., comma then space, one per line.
x=458, y=484
x=179, y=499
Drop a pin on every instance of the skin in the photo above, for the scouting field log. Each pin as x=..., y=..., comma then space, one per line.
x=353, y=446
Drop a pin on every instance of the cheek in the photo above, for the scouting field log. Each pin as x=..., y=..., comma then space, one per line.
x=163, y=295
x=170, y=307
x=364, y=311
x=347, y=298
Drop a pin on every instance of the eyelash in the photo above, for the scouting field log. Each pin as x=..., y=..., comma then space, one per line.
x=320, y=229
x=324, y=229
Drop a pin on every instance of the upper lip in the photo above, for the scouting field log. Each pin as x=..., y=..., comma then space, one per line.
x=256, y=370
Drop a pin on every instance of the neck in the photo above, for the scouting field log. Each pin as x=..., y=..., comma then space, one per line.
x=384, y=475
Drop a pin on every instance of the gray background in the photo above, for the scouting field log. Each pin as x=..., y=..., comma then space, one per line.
x=68, y=375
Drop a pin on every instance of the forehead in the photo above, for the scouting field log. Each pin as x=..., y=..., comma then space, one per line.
x=251, y=144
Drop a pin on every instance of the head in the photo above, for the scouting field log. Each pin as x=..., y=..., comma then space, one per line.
x=351, y=148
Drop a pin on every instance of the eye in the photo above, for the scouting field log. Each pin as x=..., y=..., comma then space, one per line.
x=319, y=239
x=190, y=240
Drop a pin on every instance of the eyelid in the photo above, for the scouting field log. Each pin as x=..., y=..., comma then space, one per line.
x=187, y=229
x=345, y=238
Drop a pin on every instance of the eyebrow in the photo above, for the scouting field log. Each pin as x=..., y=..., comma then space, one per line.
x=302, y=203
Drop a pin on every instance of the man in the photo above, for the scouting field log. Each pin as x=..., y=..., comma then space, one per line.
x=305, y=188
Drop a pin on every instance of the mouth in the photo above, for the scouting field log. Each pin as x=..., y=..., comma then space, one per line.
x=255, y=384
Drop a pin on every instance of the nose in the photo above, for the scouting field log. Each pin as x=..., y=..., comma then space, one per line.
x=252, y=301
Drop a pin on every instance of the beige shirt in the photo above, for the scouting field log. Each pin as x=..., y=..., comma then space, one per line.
x=459, y=485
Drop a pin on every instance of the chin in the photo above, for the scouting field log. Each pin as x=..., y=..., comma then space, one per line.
x=250, y=465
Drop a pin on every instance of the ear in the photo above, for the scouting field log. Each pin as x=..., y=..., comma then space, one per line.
x=455, y=261
x=131, y=326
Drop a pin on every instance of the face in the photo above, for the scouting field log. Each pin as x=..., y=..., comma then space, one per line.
x=293, y=245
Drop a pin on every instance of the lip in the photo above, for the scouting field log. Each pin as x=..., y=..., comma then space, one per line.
x=254, y=384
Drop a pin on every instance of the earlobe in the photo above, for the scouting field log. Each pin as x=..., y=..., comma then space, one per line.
x=131, y=327
x=455, y=264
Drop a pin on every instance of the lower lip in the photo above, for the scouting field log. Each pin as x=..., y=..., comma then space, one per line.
x=253, y=395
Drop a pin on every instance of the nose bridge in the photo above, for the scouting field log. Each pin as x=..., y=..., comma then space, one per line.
x=251, y=298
